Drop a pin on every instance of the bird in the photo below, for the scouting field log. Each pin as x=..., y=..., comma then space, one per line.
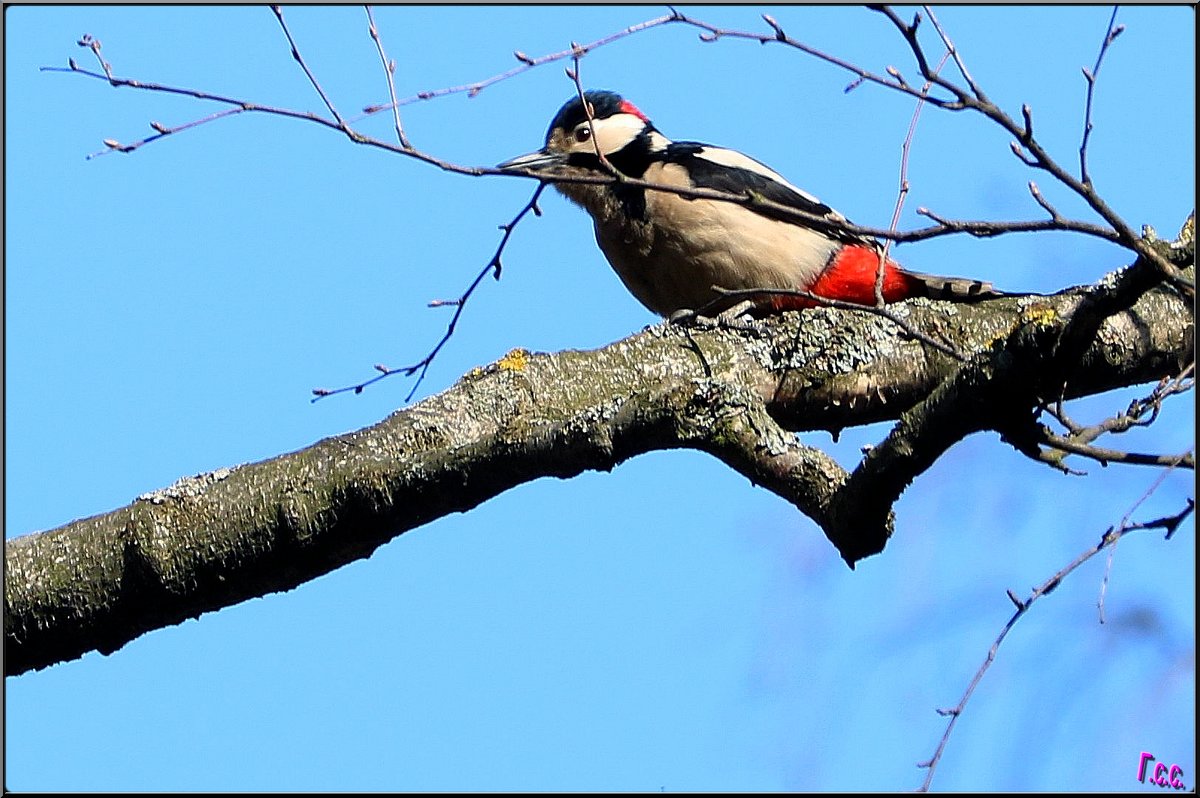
x=680, y=254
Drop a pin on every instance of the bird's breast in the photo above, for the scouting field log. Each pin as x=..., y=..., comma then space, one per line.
x=673, y=256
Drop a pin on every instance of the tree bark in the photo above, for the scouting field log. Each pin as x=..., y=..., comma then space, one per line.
x=219, y=538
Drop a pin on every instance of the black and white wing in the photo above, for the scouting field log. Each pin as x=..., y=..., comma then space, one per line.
x=727, y=170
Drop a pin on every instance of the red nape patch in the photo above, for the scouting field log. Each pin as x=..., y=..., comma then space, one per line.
x=629, y=108
x=851, y=278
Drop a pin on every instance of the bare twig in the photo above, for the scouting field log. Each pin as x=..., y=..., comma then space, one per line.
x=1140, y=413
x=1037, y=156
x=527, y=63
x=712, y=33
x=943, y=226
x=389, y=70
x=953, y=51
x=422, y=366
x=278, y=12
x=1090, y=76
x=1126, y=524
x=93, y=44
x=909, y=32
x=1107, y=541
x=905, y=148
x=573, y=74
x=111, y=145
x=237, y=106
x=1170, y=527
x=1105, y=456
x=1036, y=193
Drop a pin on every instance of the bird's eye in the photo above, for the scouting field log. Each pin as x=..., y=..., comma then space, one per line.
x=583, y=133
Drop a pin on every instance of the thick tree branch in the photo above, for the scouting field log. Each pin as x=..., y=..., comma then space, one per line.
x=1044, y=354
x=220, y=538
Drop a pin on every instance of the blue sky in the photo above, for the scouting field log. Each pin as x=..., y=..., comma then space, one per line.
x=664, y=626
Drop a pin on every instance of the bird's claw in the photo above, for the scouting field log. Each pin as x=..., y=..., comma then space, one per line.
x=734, y=318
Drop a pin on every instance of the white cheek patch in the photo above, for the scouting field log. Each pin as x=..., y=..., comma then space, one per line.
x=737, y=160
x=612, y=134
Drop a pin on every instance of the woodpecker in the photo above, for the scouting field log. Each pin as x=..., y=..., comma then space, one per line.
x=673, y=252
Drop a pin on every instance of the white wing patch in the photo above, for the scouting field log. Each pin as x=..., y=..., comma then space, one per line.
x=736, y=160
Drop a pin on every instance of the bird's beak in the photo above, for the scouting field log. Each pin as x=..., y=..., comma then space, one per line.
x=534, y=161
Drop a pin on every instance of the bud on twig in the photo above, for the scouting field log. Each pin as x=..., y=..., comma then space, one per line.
x=779, y=34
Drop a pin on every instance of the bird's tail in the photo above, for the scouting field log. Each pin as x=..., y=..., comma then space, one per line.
x=852, y=274
x=953, y=289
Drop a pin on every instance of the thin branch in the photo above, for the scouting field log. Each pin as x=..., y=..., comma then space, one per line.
x=162, y=131
x=238, y=106
x=573, y=74
x=942, y=226
x=986, y=229
x=278, y=12
x=1107, y=540
x=1106, y=456
x=979, y=229
x=93, y=44
x=712, y=33
x=909, y=32
x=1090, y=76
x=1039, y=158
x=1140, y=413
x=905, y=149
x=493, y=266
x=527, y=63
x=1170, y=523
x=1040, y=199
x=953, y=51
x=389, y=69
